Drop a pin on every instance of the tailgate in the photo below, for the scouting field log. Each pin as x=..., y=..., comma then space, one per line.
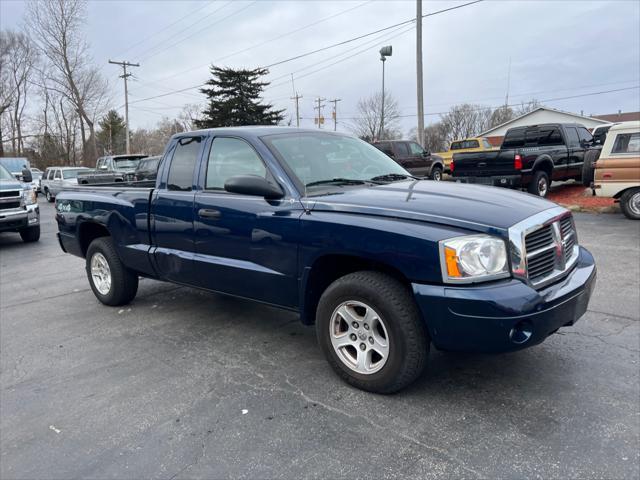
x=484, y=164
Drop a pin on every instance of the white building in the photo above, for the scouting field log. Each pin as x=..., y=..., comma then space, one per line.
x=536, y=117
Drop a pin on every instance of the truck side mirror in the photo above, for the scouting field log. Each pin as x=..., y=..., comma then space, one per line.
x=253, y=185
x=27, y=177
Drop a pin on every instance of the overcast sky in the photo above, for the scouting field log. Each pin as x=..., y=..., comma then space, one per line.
x=557, y=49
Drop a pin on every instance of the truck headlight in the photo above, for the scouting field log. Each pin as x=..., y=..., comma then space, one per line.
x=473, y=258
x=28, y=197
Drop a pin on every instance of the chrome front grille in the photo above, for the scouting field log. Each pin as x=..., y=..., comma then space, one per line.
x=10, y=199
x=544, y=247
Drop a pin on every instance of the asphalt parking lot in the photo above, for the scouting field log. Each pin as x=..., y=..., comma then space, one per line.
x=187, y=384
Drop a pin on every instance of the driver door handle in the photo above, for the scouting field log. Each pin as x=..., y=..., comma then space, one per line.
x=209, y=213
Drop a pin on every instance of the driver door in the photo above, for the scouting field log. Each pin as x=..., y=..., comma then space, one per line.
x=245, y=245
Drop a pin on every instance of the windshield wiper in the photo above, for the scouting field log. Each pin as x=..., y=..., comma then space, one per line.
x=390, y=177
x=337, y=181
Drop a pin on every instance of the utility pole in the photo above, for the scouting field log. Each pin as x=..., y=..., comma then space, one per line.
x=126, y=75
x=419, y=72
x=319, y=107
x=335, y=112
x=297, y=98
x=506, y=100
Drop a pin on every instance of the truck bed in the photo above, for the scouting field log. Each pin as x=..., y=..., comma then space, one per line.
x=484, y=164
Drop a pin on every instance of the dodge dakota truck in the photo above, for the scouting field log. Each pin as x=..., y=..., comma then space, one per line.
x=382, y=263
x=531, y=157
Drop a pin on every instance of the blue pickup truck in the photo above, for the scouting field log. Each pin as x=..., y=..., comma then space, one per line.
x=324, y=224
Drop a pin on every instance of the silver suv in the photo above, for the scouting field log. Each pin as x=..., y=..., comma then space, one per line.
x=56, y=179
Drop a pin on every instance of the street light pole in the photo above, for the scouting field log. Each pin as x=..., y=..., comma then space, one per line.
x=419, y=82
x=384, y=53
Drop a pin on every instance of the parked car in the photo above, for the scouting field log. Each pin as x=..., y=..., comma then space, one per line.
x=355, y=244
x=56, y=179
x=617, y=171
x=19, y=211
x=599, y=133
x=147, y=169
x=474, y=144
x=531, y=158
x=112, y=168
x=412, y=157
x=36, y=175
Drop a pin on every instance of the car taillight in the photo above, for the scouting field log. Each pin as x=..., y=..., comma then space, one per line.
x=517, y=162
x=451, y=166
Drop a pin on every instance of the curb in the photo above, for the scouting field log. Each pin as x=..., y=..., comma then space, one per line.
x=583, y=209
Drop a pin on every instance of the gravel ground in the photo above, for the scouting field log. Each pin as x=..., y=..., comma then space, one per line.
x=187, y=384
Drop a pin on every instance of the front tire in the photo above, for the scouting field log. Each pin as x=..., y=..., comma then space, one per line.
x=371, y=332
x=539, y=184
x=48, y=196
x=112, y=283
x=30, y=234
x=436, y=174
x=630, y=204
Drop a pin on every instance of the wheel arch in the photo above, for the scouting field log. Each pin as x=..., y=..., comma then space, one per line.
x=328, y=268
x=88, y=232
x=544, y=163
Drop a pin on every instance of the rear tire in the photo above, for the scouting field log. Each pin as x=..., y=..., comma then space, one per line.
x=436, y=174
x=30, y=234
x=630, y=204
x=539, y=184
x=384, y=328
x=112, y=283
x=587, y=167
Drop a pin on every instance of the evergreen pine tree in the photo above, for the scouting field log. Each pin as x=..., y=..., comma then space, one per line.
x=234, y=99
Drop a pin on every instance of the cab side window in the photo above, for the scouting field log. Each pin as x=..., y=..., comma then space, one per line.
x=229, y=157
x=183, y=163
x=627, y=143
x=401, y=149
x=415, y=148
x=58, y=175
x=572, y=137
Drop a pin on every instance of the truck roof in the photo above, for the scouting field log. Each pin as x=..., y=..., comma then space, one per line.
x=257, y=130
x=548, y=125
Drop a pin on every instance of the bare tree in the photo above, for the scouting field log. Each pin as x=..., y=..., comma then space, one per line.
x=56, y=27
x=367, y=124
x=189, y=115
x=466, y=120
x=18, y=64
x=526, y=107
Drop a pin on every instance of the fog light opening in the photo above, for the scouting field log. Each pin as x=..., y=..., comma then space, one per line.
x=521, y=332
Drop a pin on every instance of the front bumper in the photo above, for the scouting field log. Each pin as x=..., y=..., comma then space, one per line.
x=510, y=181
x=506, y=315
x=15, y=220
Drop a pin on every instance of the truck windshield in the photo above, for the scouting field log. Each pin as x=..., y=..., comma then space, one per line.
x=5, y=174
x=71, y=173
x=126, y=163
x=322, y=159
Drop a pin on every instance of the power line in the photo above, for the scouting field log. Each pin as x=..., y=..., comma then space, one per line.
x=185, y=29
x=344, y=42
x=204, y=28
x=164, y=29
x=260, y=44
x=516, y=104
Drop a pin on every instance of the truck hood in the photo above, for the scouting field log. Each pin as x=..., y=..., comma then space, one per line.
x=473, y=207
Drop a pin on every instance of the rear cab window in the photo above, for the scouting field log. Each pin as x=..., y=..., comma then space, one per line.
x=401, y=149
x=183, y=163
x=514, y=138
x=572, y=137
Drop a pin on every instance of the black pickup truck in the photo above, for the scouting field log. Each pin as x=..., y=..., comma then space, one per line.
x=112, y=168
x=530, y=157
